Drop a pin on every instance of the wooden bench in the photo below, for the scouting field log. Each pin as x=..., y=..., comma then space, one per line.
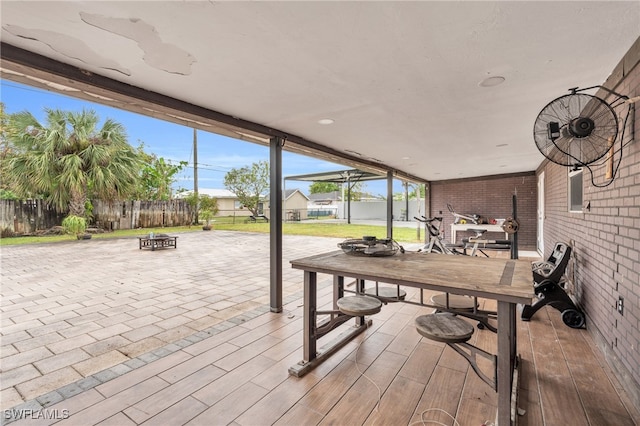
x=154, y=241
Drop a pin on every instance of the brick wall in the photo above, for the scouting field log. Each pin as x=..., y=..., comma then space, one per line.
x=606, y=239
x=491, y=197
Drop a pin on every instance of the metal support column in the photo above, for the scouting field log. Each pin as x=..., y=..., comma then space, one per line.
x=275, y=222
x=406, y=201
x=348, y=199
x=389, y=204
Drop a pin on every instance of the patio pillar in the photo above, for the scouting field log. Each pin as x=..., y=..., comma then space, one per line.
x=348, y=197
x=275, y=222
x=405, y=187
x=389, y=204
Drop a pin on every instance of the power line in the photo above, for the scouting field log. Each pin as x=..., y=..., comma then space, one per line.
x=203, y=166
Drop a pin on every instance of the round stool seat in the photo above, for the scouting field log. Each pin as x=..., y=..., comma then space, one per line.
x=445, y=328
x=358, y=306
x=389, y=294
x=456, y=301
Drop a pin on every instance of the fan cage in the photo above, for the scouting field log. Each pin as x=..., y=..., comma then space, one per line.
x=370, y=246
x=570, y=148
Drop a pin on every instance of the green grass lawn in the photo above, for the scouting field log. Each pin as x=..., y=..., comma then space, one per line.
x=315, y=228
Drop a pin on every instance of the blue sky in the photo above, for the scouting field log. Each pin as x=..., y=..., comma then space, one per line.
x=216, y=154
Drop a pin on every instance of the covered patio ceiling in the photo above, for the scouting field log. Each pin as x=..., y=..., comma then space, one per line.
x=426, y=90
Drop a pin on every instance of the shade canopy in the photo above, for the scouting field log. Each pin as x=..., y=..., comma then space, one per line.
x=338, y=176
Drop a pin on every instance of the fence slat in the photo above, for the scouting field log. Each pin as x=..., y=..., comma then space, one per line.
x=21, y=217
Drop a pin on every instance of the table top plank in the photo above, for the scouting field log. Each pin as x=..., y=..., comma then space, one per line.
x=500, y=279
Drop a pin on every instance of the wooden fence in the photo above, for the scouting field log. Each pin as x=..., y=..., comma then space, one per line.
x=23, y=217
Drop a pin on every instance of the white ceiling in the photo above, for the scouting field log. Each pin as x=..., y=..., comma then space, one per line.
x=399, y=79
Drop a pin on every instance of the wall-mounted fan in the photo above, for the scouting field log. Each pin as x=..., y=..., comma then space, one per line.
x=576, y=129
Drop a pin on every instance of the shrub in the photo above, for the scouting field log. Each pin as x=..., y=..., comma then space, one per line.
x=74, y=225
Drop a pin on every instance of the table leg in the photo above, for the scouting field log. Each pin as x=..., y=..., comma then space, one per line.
x=506, y=359
x=338, y=290
x=360, y=321
x=311, y=356
x=309, y=317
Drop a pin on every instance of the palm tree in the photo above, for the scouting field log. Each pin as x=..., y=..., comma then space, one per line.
x=70, y=159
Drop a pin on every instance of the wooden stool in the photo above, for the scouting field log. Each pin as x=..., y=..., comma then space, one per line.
x=454, y=331
x=386, y=294
x=445, y=328
x=359, y=306
x=456, y=302
x=466, y=306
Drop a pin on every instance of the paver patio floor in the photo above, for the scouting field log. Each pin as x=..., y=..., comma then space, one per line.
x=99, y=332
x=73, y=312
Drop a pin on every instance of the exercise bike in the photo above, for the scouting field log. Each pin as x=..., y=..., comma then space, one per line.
x=435, y=243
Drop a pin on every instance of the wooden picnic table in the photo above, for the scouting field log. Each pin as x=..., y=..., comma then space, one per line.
x=509, y=282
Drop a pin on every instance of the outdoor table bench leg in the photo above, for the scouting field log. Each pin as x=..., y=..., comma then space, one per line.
x=506, y=359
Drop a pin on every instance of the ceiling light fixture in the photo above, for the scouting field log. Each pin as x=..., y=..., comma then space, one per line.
x=325, y=121
x=492, y=81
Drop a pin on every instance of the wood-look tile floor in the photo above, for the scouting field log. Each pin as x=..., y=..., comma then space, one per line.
x=389, y=375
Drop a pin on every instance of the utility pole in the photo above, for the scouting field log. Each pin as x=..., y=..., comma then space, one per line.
x=195, y=173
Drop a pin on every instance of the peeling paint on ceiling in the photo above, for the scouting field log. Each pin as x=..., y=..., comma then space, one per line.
x=399, y=79
x=163, y=56
x=68, y=46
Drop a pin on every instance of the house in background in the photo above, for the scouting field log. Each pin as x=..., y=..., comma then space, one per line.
x=228, y=203
x=324, y=198
x=294, y=205
x=324, y=204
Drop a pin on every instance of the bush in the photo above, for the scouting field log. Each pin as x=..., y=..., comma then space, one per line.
x=208, y=206
x=74, y=225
